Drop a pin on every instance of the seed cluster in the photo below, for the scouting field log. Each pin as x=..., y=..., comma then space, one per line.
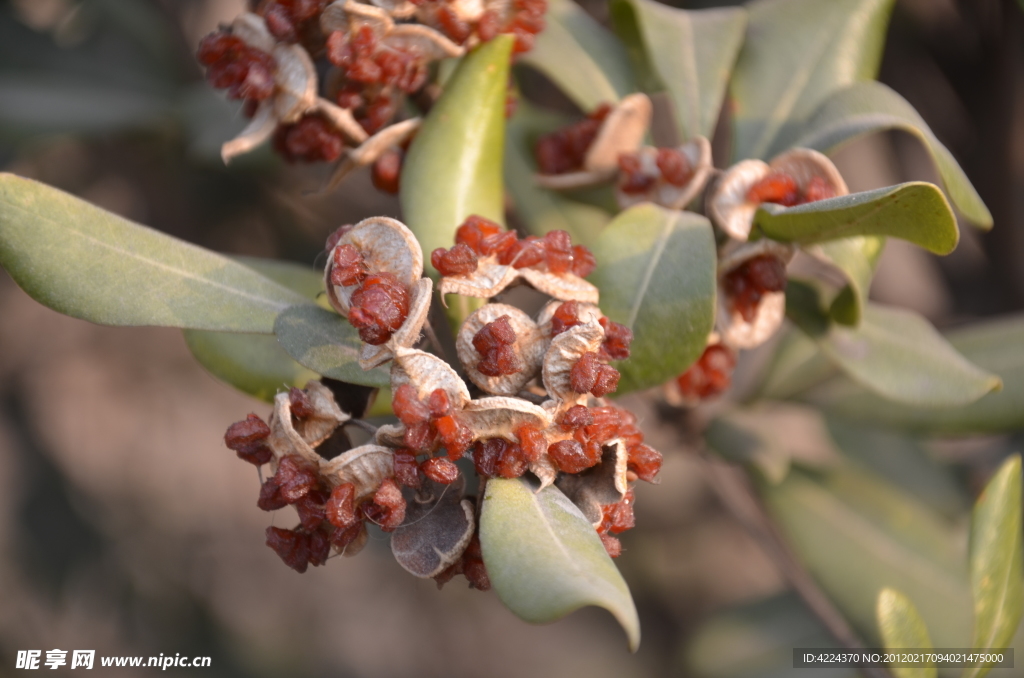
x=407, y=481
x=671, y=165
x=783, y=189
x=710, y=376
x=245, y=72
x=564, y=150
x=478, y=238
x=747, y=284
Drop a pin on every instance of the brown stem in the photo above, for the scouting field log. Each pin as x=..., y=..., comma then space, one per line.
x=733, y=489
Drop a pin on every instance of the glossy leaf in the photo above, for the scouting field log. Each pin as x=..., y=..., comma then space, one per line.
x=545, y=560
x=901, y=627
x=85, y=262
x=690, y=52
x=994, y=346
x=579, y=55
x=326, y=343
x=997, y=578
x=915, y=211
x=900, y=356
x=539, y=209
x=453, y=168
x=869, y=107
x=656, y=273
x=856, y=258
x=796, y=53
x=255, y=363
x=856, y=535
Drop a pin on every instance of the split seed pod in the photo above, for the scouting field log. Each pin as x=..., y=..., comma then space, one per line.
x=529, y=347
x=439, y=525
x=563, y=353
x=697, y=152
x=623, y=131
x=771, y=310
x=290, y=435
x=729, y=206
x=599, y=485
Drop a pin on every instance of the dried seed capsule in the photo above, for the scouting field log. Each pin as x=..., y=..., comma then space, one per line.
x=440, y=470
x=340, y=510
x=495, y=342
x=248, y=438
x=674, y=167
x=747, y=284
x=379, y=307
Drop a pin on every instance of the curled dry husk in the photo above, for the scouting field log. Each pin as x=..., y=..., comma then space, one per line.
x=529, y=346
x=622, y=131
x=301, y=437
x=499, y=417
x=438, y=527
x=370, y=150
x=728, y=205
x=599, y=485
x=365, y=467
x=295, y=91
x=565, y=351
x=735, y=331
x=491, y=277
x=697, y=152
x=387, y=246
x=586, y=313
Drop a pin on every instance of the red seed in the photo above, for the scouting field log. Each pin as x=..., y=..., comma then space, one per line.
x=569, y=456
x=312, y=139
x=576, y=417
x=607, y=381
x=617, y=339
x=342, y=538
x=619, y=517
x=512, y=462
x=644, y=461
x=270, y=496
x=455, y=436
x=319, y=548
x=301, y=408
x=387, y=171
x=439, y=404
x=459, y=260
x=817, y=189
x=583, y=261
x=291, y=545
x=612, y=545
x=565, y=316
x=408, y=407
x=340, y=509
x=489, y=25
x=406, y=468
x=532, y=442
x=632, y=178
x=379, y=307
x=348, y=267
x=311, y=509
x=248, y=439
x=777, y=188
x=495, y=342
x=674, y=166
x=747, y=284
x=710, y=375
x=474, y=230
x=440, y=470
x=486, y=454
x=389, y=498
x=583, y=375
x=296, y=476
x=420, y=437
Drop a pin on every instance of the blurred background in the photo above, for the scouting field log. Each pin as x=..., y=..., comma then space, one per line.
x=127, y=527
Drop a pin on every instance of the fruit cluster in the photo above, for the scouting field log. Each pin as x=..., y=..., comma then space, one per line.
x=747, y=284
x=564, y=150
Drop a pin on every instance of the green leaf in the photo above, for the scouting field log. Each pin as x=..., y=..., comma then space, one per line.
x=900, y=356
x=869, y=107
x=856, y=258
x=656, y=274
x=579, y=55
x=997, y=577
x=85, y=262
x=797, y=365
x=453, y=168
x=545, y=560
x=856, y=535
x=915, y=211
x=994, y=346
x=901, y=627
x=539, y=209
x=255, y=363
x=326, y=343
x=690, y=53
x=796, y=53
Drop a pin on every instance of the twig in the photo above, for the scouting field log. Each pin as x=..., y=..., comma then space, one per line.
x=365, y=425
x=739, y=499
x=428, y=328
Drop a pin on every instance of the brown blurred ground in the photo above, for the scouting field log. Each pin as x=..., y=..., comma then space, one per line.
x=126, y=526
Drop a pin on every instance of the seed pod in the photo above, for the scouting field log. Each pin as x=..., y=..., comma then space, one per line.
x=426, y=373
x=290, y=435
x=622, y=131
x=296, y=82
x=499, y=417
x=370, y=150
x=387, y=246
x=729, y=203
x=734, y=329
x=408, y=334
x=439, y=525
x=599, y=485
x=563, y=353
x=697, y=152
x=529, y=347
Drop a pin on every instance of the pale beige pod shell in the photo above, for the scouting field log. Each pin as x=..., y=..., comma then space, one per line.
x=565, y=286
x=387, y=245
x=252, y=30
x=728, y=205
x=257, y=132
x=371, y=148
x=586, y=313
x=735, y=331
x=563, y=353
x=499, y=417
x=599, y=485
x=529, y=347
x=365, y=467
x=622, y=131
x=301, y=437
x=487, y=280
x=296, y=83
x=427, y=373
